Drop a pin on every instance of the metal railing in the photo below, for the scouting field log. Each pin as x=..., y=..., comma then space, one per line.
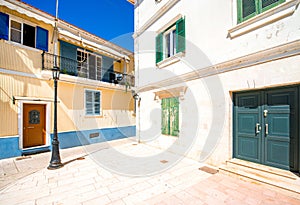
x=66, y=65
x=70, y=67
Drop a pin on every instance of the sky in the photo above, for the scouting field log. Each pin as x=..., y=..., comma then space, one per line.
x=111, y=20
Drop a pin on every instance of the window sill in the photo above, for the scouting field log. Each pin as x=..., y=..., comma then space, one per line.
x=279, y=12
x=23, y=46
x=171, y=60
x=93, y=116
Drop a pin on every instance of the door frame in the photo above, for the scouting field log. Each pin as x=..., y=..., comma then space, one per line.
x=20, y=122
x=233, y=121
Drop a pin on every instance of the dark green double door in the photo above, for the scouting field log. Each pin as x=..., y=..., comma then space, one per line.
x=266, y=127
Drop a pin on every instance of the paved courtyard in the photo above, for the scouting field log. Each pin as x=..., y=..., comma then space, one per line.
x=122, y=172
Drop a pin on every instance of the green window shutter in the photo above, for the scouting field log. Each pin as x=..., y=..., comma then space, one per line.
x=159, y=47
x=165, y=123
x=268, y=4
x=247, y=9
x=180, y=35
x=174, y=116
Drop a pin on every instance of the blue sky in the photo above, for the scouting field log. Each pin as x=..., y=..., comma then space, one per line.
x=108, y=19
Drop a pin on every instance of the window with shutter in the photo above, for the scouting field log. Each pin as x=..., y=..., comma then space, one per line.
x=170, y=41
x=4, y=24
x=35, y=37
x=249, y=8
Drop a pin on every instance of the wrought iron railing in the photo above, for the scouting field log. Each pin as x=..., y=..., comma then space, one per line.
x=66, y=65
x=70, y=67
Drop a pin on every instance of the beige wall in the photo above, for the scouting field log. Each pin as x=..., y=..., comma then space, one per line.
x=117, y=106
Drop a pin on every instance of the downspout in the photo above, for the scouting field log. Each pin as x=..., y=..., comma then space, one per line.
x=56, y=35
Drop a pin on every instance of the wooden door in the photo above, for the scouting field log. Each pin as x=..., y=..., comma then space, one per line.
x=34, y=125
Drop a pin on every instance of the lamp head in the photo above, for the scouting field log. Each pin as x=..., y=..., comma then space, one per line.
x=55, y=73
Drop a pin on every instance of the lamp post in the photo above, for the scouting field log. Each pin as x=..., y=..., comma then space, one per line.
x=55, y=161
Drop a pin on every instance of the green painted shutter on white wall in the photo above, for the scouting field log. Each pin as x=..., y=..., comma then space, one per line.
x=174, y=116
x=170, y=116
x=180, y=35
x=268, y=4
x=247, y=9
x=159, y=47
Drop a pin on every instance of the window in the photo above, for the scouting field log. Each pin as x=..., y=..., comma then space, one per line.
x=92, y=102
x=171, y=41
x=22, y=33
x=250, y=8
x=89, y=65
x=15, y=31
x=28, y=35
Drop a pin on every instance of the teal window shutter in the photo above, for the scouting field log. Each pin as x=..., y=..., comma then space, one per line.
x=247, y=9
x=41, y=39
x=268, y=4
x=159, y=47
x=4, y=22
x=180, y=35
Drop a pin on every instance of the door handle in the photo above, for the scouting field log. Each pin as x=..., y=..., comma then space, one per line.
x=257, y=128
x=267, y=129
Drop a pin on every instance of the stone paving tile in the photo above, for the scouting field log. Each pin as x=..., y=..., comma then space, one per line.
x=85, y=182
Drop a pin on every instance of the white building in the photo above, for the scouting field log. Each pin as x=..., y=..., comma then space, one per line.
x=219, y=80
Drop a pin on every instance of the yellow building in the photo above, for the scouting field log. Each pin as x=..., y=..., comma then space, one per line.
x=95, y=103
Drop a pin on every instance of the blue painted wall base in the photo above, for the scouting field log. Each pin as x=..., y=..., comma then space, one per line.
x=9, y=147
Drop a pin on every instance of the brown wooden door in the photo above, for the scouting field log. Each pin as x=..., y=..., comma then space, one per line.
x=34, y=125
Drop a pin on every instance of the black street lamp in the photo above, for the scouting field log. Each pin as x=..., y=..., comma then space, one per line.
x=55, y=161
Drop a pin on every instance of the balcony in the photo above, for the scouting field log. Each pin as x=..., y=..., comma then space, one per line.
x=72, y=67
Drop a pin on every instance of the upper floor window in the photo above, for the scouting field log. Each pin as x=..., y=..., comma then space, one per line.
x=89, y=65
x=19, y=32
x=250, y=8
x=171, y=41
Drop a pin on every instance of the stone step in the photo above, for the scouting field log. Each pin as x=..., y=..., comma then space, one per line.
x=271, y=170
x=265, y=175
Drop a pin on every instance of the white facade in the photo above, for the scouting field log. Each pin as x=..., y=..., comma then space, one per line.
x=221, y=57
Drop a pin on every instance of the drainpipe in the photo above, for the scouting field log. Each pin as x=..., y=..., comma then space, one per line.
x=56, y=35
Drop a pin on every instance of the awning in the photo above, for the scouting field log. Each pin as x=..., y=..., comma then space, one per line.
x=28, y=11
x=64, y=34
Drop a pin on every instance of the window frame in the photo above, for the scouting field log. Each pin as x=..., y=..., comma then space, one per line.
x=258, y=9
x=160, y=41
x=98, y=75
x=22, y=22
x=92, y=103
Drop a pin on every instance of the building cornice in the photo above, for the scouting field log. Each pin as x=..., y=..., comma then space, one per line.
x=272, y=54
x=165, y=8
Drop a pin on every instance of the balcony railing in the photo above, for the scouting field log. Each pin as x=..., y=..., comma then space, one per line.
x=66, y=65
x=70, y=67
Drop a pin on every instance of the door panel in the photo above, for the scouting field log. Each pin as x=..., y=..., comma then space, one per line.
x=34, y=121
x=247, y=130
x=280, y=105
x=266, y=127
